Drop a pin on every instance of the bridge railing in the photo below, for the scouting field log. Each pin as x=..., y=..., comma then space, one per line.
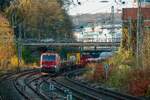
x=101, y=40
x=104, y=40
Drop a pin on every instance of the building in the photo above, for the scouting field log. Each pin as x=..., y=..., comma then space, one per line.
x=145, y=3
x=129, y=17
x=132, y=13
x=98, y=33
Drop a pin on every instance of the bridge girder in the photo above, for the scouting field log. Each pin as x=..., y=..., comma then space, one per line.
x=79, y=44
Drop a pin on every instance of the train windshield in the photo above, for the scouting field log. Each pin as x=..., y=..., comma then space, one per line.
x=49, y=57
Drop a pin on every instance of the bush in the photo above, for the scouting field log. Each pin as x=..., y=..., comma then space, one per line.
x=121, y=64
x=90, y=72
x=139, y=81
x=122, y=57
x=7, y=44
x=14, y=61
x=27, y=56
x=146, y=49
x=119, y=76
x=98, y=72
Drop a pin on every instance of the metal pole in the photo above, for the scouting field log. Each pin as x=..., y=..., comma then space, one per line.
x=112, y=30
x=138, y=32
x=129, y=32
x=19, y=47
x=13, y=18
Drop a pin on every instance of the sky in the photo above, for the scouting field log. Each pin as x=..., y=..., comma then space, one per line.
x=96, y=6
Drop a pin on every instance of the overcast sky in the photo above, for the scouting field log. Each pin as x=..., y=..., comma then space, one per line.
x=96, y=6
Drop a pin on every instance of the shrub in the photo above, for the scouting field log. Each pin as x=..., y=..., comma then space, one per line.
x=119, y=76
x=146, y=49
x=7, y=45
x=28, y=57
x=98, y=72
x=121, y=64
x=139, y=82
x=89, y=73
x=14, y=61
x=123, y=56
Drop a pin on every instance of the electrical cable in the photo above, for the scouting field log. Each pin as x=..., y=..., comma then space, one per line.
x=89, y=10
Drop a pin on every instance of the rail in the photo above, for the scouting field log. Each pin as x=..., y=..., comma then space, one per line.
x=101, y=90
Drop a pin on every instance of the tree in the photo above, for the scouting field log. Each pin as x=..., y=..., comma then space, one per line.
x=40, y=19
x=146, y=48
x=7, y=46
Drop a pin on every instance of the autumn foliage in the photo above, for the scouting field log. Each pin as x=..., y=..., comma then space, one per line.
x=139, y=79
x=7, y=45
x=139, y=82
x=99, y=72
x=146, y=49
x=40, y=18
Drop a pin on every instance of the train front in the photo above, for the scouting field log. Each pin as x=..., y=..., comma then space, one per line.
x=49, y=62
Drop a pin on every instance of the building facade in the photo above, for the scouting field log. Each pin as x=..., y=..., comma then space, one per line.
x=129, y=17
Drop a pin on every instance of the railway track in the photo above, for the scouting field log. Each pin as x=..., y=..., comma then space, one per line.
x=28, y=84
x=104, y=93
x=101, y=90
x=61, y=84
x=24, y=82
x=21, y=81
x=78, y=91
x=9, y=75
x=26, y=89
x=56, y=94
x=84, y=92
x=10, y=88
x=20, y=86
x=32, y=85
x=59, y=91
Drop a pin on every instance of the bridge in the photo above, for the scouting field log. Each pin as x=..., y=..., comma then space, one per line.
x=115, y=42
x=80, y=44
x=102, y=44
x=86, y=47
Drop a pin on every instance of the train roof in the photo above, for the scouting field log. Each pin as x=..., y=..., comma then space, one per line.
x=48, y=53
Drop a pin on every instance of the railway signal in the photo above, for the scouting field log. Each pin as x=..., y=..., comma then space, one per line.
x=106, y=68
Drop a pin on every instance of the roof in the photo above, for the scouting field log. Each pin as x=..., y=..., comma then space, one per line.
x=132, y=13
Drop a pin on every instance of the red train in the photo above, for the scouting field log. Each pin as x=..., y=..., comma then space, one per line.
x=51, y=62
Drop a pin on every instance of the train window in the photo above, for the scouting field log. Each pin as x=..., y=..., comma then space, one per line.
x=49, y=57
